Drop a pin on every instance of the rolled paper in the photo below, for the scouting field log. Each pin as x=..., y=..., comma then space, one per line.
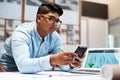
x=110, y=72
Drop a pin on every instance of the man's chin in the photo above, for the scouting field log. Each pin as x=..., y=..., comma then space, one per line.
x=51, y=32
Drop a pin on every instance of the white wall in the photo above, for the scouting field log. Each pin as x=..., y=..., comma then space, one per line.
x=10, y=11
x=99, y=1
x=114, y=9
x=69, y=47
x=84, y=32
x=95, y=31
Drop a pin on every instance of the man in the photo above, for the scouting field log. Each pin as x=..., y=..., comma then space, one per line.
x=36, y=46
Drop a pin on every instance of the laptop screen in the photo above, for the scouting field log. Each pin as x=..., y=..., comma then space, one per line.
x=97, y=58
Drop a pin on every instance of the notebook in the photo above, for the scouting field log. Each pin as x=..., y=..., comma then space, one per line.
x=95, y=58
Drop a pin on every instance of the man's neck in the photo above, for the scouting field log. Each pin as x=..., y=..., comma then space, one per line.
x=41, y=32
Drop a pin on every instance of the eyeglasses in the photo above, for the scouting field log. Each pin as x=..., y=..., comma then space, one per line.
x=52, y=19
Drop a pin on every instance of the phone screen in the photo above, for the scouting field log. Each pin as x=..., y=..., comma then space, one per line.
x=80, y=51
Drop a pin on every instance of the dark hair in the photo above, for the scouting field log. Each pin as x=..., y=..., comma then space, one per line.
x=47, y=7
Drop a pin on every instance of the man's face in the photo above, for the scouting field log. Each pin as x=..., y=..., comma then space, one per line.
x=47, y=23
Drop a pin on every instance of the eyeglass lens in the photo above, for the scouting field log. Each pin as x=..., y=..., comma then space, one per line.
x=54, y=20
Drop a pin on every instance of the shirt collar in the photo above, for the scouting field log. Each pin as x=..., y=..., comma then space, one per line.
x=36, y=33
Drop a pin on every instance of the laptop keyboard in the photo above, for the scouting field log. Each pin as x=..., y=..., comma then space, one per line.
x=89, y=71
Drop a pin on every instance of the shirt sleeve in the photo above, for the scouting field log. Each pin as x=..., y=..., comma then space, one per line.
x=21, y=54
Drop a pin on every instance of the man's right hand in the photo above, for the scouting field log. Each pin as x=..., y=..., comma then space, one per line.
x=62, y=58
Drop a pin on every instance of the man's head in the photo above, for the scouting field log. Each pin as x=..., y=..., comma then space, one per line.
x=47, y=18
x=47, y=7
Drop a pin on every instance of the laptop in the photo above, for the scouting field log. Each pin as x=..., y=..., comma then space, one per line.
x=95, y=58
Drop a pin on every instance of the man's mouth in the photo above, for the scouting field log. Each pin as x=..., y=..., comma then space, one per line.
x=51, y=27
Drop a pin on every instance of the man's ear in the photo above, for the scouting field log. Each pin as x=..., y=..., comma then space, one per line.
x=38, y=17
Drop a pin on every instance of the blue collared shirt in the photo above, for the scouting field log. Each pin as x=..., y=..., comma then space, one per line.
x=30, y=52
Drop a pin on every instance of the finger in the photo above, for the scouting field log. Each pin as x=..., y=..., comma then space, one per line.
x=76, y=64
x=65, y=63
x=67, y=58
x=71, y=54
x=78, y=59
x=84, y=55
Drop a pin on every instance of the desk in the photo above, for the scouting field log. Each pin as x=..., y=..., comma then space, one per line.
x=48, y=75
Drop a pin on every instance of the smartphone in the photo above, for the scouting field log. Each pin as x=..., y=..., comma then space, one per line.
x=80, y=51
